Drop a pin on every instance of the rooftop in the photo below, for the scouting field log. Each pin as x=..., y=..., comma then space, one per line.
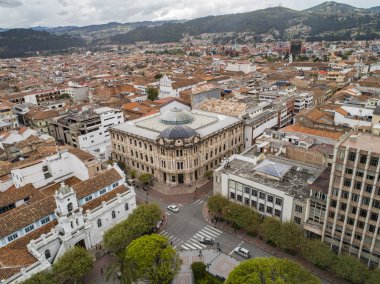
x=295, y=180
x=363, y=141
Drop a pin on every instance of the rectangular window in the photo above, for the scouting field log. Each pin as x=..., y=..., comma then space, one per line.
x=269, y=209
x=246, y=201
x=254, y=192
x=232, y=195
x=45, y=220
x=253, y=203
x=261, y=207
x=363, y=159
x=102, y=191
x=277, y=213
x=278, y=201
x=298, y=209
x=12, y=237
x=347, y=182
x=352, y=156
x=374, y=161
x=88, y=198
x=270, y=198
x=262, y=195
x=247, y=189
x=239, y=198
x=297, y=220
x=29, y=228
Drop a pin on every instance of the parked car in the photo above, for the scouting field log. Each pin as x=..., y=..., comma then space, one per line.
x=206, y=241
x=242, y=252
x=173, y=208
x=221, y=278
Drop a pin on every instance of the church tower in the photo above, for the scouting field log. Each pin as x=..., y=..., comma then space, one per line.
x=68, y=213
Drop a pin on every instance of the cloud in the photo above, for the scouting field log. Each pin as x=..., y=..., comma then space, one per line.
x=10, y=3
x=27, y=13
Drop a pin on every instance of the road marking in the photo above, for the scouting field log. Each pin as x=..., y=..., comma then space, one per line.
x=184, y=246
x=236, y=247
x=215, y=229
x=196, y=245
x=190, y=245
x=180, y=204
x=171, y=237
x=167, y=213
x=208, y=231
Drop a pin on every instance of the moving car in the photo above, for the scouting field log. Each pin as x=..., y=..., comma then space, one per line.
x=242, y=252
x=173, y=208
x=206, y=241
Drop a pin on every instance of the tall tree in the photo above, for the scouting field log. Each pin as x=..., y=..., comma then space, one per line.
x=290, y=237
x=270, y=230
x=152, y=93
x=270, y=270
x=216, y=203
x=351, y=269
x=123, y=270
x=43, y=277
x=72, y=266
x=156, y=259
x=318, y=253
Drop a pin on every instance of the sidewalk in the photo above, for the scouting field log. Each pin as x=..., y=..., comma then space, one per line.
x=181, y=198
x=325, y=275
x=218, y=264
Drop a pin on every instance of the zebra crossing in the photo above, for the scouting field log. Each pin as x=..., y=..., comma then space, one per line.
x=193, y=242
x=198, y=202
x=174, y=240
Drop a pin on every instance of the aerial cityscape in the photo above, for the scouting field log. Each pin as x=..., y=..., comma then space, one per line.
x=175, y=142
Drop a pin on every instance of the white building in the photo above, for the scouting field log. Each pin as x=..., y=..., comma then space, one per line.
x=303, y=101
x=172, y=88
x=60, y=217
x=245, y=67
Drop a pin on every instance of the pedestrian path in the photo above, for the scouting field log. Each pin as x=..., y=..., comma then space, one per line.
x=193, y=243
x=174, y=240
x=198, y=202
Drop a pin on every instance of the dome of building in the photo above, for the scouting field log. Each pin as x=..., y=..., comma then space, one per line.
x=176, y=116
x=178, y=132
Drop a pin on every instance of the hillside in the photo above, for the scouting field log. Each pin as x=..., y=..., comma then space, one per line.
x=22, y=42
x=328, y=21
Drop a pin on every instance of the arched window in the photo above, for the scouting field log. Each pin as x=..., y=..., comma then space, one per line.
x=113, y=214
x=126, y=206
x=99, y=222
x=47, y=254
x=70, y=207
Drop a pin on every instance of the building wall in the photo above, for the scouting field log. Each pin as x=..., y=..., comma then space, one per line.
x=307, y=156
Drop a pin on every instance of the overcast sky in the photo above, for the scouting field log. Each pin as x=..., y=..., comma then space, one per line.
x=28, y=13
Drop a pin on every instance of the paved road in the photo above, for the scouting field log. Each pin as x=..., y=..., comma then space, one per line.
x=185, y=227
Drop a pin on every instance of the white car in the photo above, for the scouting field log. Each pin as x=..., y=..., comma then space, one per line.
x=173, y=208
x=242, y=252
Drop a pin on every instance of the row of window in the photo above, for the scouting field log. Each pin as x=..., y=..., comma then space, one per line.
x=136, y=154
x=374, y=161
x=113, y=215
x=143, y=168
x=27, y=229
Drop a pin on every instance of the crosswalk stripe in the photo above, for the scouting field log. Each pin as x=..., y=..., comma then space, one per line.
x=196, y=245
x=165, y=234
x=205, y=235
x=194, y=239
x=163, y=231
x=189, y=245
x=199, y=236
x=210, y=233
x=171, y=237
x=184, y=246
x=174, y=238
x=214, y=229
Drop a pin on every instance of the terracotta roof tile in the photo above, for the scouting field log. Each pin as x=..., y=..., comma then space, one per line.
x=311, y=131
x=105, y=197
x=96, y=183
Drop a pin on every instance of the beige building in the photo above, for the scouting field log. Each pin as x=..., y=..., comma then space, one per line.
x=177, y=145
x=352, y=223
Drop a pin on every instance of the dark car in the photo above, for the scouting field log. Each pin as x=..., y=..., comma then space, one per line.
x=206, y=241
x=221, y=278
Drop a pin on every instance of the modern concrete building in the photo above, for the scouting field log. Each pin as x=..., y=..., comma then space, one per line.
x=352, y=221
x=177, y=145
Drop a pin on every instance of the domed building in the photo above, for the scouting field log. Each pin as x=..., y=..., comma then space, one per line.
x=177, y=145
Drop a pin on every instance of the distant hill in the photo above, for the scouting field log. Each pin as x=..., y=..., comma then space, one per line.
x=334, y=8
x=22, y=42
x=374, y=9
x=327, y=21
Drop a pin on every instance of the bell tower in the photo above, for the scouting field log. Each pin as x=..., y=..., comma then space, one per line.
x=68, y=213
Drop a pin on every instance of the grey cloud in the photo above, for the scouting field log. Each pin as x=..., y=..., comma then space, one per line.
x=62, y=13
x=10, y=3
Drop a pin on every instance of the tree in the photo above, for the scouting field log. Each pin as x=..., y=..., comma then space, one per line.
x=132, y=173
x=158, y=76
x=152, y=93
x=318, y=253
x=270, y=270
x=123, y=270
x=43, y=277
x=199, y=270
x=373, y=277
x=208, y=174
x=216, y=203
x=73, y=265
x=140, y=222
x=145, y=178
x=157, y=261
x=270, y=229
x=351, y=269
x=290, y=237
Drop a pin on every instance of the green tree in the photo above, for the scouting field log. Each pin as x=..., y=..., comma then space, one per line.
x=157, y=261
x=290, y=237
x=123, y=270
x=199, y=270
x=152, y=93
x=216, y=203
x=269, y=230
x=145, y=178
x=43, y=277
x=351, y=269
x=140, y=222
x=373, y=277
x=132, y=173
x=71, y=266
x=318, y=253
x=270, y=270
